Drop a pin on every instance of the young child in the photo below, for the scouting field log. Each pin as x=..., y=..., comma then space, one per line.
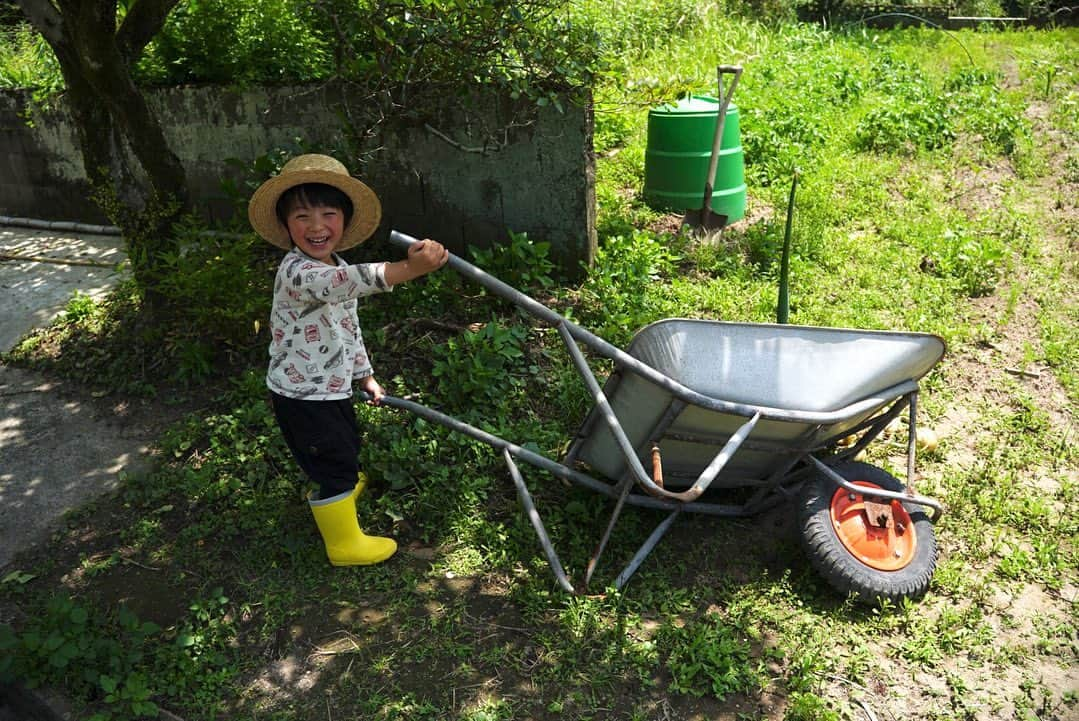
x=312, y=209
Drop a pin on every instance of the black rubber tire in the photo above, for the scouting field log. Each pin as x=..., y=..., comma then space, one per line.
x=839, y=566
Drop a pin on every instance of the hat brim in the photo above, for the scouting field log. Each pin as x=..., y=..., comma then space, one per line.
x=366, y=208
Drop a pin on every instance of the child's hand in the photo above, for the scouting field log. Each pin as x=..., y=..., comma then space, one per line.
x=427, y=255
x=423, y=257
x=371, y=386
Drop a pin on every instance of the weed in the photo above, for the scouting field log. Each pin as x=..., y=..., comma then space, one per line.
x=116, y=661
x=974, y=260
x=80, y=308
x=919, y=123
x=809, y=707
x=621, y=294
x=522, y=263
x=484, y=367
x=709, y=656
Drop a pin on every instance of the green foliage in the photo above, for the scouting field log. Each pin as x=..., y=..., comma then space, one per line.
x=709, y=656
x=224, y=41
x=199, y=660
x=27, y=61
x=522, y=263
x=985, y=109
x=622, y=294
x=218, y=289
x=630, y=28
x=809, y=707
x=531, y=48
x=918, y=115
x=780, y=138
x=974, y=259
x=787, y=104
x=228, y=456
x=80, y=308
x=482, y=368
x=390, y=455
x=527, y=47
x=790, y=99
x=115, y=662
x=910, y=113
x=906, y=124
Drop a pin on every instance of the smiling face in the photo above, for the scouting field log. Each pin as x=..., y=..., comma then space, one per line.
x=316, y=216
x=316, y=230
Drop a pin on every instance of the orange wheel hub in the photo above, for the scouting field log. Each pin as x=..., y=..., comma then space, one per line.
x=887, y=547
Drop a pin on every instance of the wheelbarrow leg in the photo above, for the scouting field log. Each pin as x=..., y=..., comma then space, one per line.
x=673, y=410
x=646, y=549
x=537, y=523
x=627, y=484
x=912, y=438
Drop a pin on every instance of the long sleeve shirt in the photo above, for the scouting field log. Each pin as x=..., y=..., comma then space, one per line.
x=316, y=347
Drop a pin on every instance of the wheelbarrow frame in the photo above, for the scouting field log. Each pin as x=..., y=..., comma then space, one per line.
x=800, y=460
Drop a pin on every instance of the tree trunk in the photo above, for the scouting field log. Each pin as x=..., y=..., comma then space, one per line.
x=136, y=179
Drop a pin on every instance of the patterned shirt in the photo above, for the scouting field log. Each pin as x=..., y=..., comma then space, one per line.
x=316, y=347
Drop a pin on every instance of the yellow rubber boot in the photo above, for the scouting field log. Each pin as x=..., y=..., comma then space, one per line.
x=361, y=483
x=346, y=543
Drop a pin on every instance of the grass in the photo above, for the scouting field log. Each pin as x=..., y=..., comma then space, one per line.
x=964, y=225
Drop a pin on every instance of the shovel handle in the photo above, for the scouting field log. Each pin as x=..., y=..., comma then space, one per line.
x=717, y=139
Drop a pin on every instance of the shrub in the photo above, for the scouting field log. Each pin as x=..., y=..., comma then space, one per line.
x=27, y=61
x=225, y=41
x=219, y=288
x=521, y=263
x=393, y=49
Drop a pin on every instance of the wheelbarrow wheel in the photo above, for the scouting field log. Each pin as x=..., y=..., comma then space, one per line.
x=872, y=548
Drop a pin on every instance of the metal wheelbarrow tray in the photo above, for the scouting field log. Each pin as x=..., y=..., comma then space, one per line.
x=759, y=413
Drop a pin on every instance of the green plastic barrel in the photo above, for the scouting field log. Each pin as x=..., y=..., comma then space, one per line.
x=678, y=153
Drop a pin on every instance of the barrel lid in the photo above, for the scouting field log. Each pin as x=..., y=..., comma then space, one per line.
x=692, y=105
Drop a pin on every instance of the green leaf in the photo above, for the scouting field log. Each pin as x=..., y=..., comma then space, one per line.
x=108, y=684
x=19, y=577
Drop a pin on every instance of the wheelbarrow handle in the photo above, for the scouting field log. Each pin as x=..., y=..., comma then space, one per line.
x=524, y=302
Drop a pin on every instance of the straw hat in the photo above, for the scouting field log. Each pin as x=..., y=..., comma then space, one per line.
x=314, y=168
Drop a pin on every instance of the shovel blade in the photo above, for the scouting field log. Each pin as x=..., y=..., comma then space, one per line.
x=704, y=219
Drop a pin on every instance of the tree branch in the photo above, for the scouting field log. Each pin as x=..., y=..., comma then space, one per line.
x=44, y=16
x=141, y=23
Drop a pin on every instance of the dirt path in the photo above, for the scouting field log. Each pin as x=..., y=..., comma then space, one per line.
x=59, y=449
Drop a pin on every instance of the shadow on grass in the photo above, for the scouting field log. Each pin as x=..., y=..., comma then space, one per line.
x=295, y=638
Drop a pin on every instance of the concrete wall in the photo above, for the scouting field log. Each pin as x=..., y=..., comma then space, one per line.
x=461, y=175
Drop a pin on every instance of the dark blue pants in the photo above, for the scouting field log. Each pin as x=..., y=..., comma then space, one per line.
x=324, y=439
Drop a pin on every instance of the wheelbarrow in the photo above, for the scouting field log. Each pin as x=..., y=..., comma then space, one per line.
x=698, y=412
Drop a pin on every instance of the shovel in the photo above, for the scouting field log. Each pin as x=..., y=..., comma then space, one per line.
x=704, y=219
